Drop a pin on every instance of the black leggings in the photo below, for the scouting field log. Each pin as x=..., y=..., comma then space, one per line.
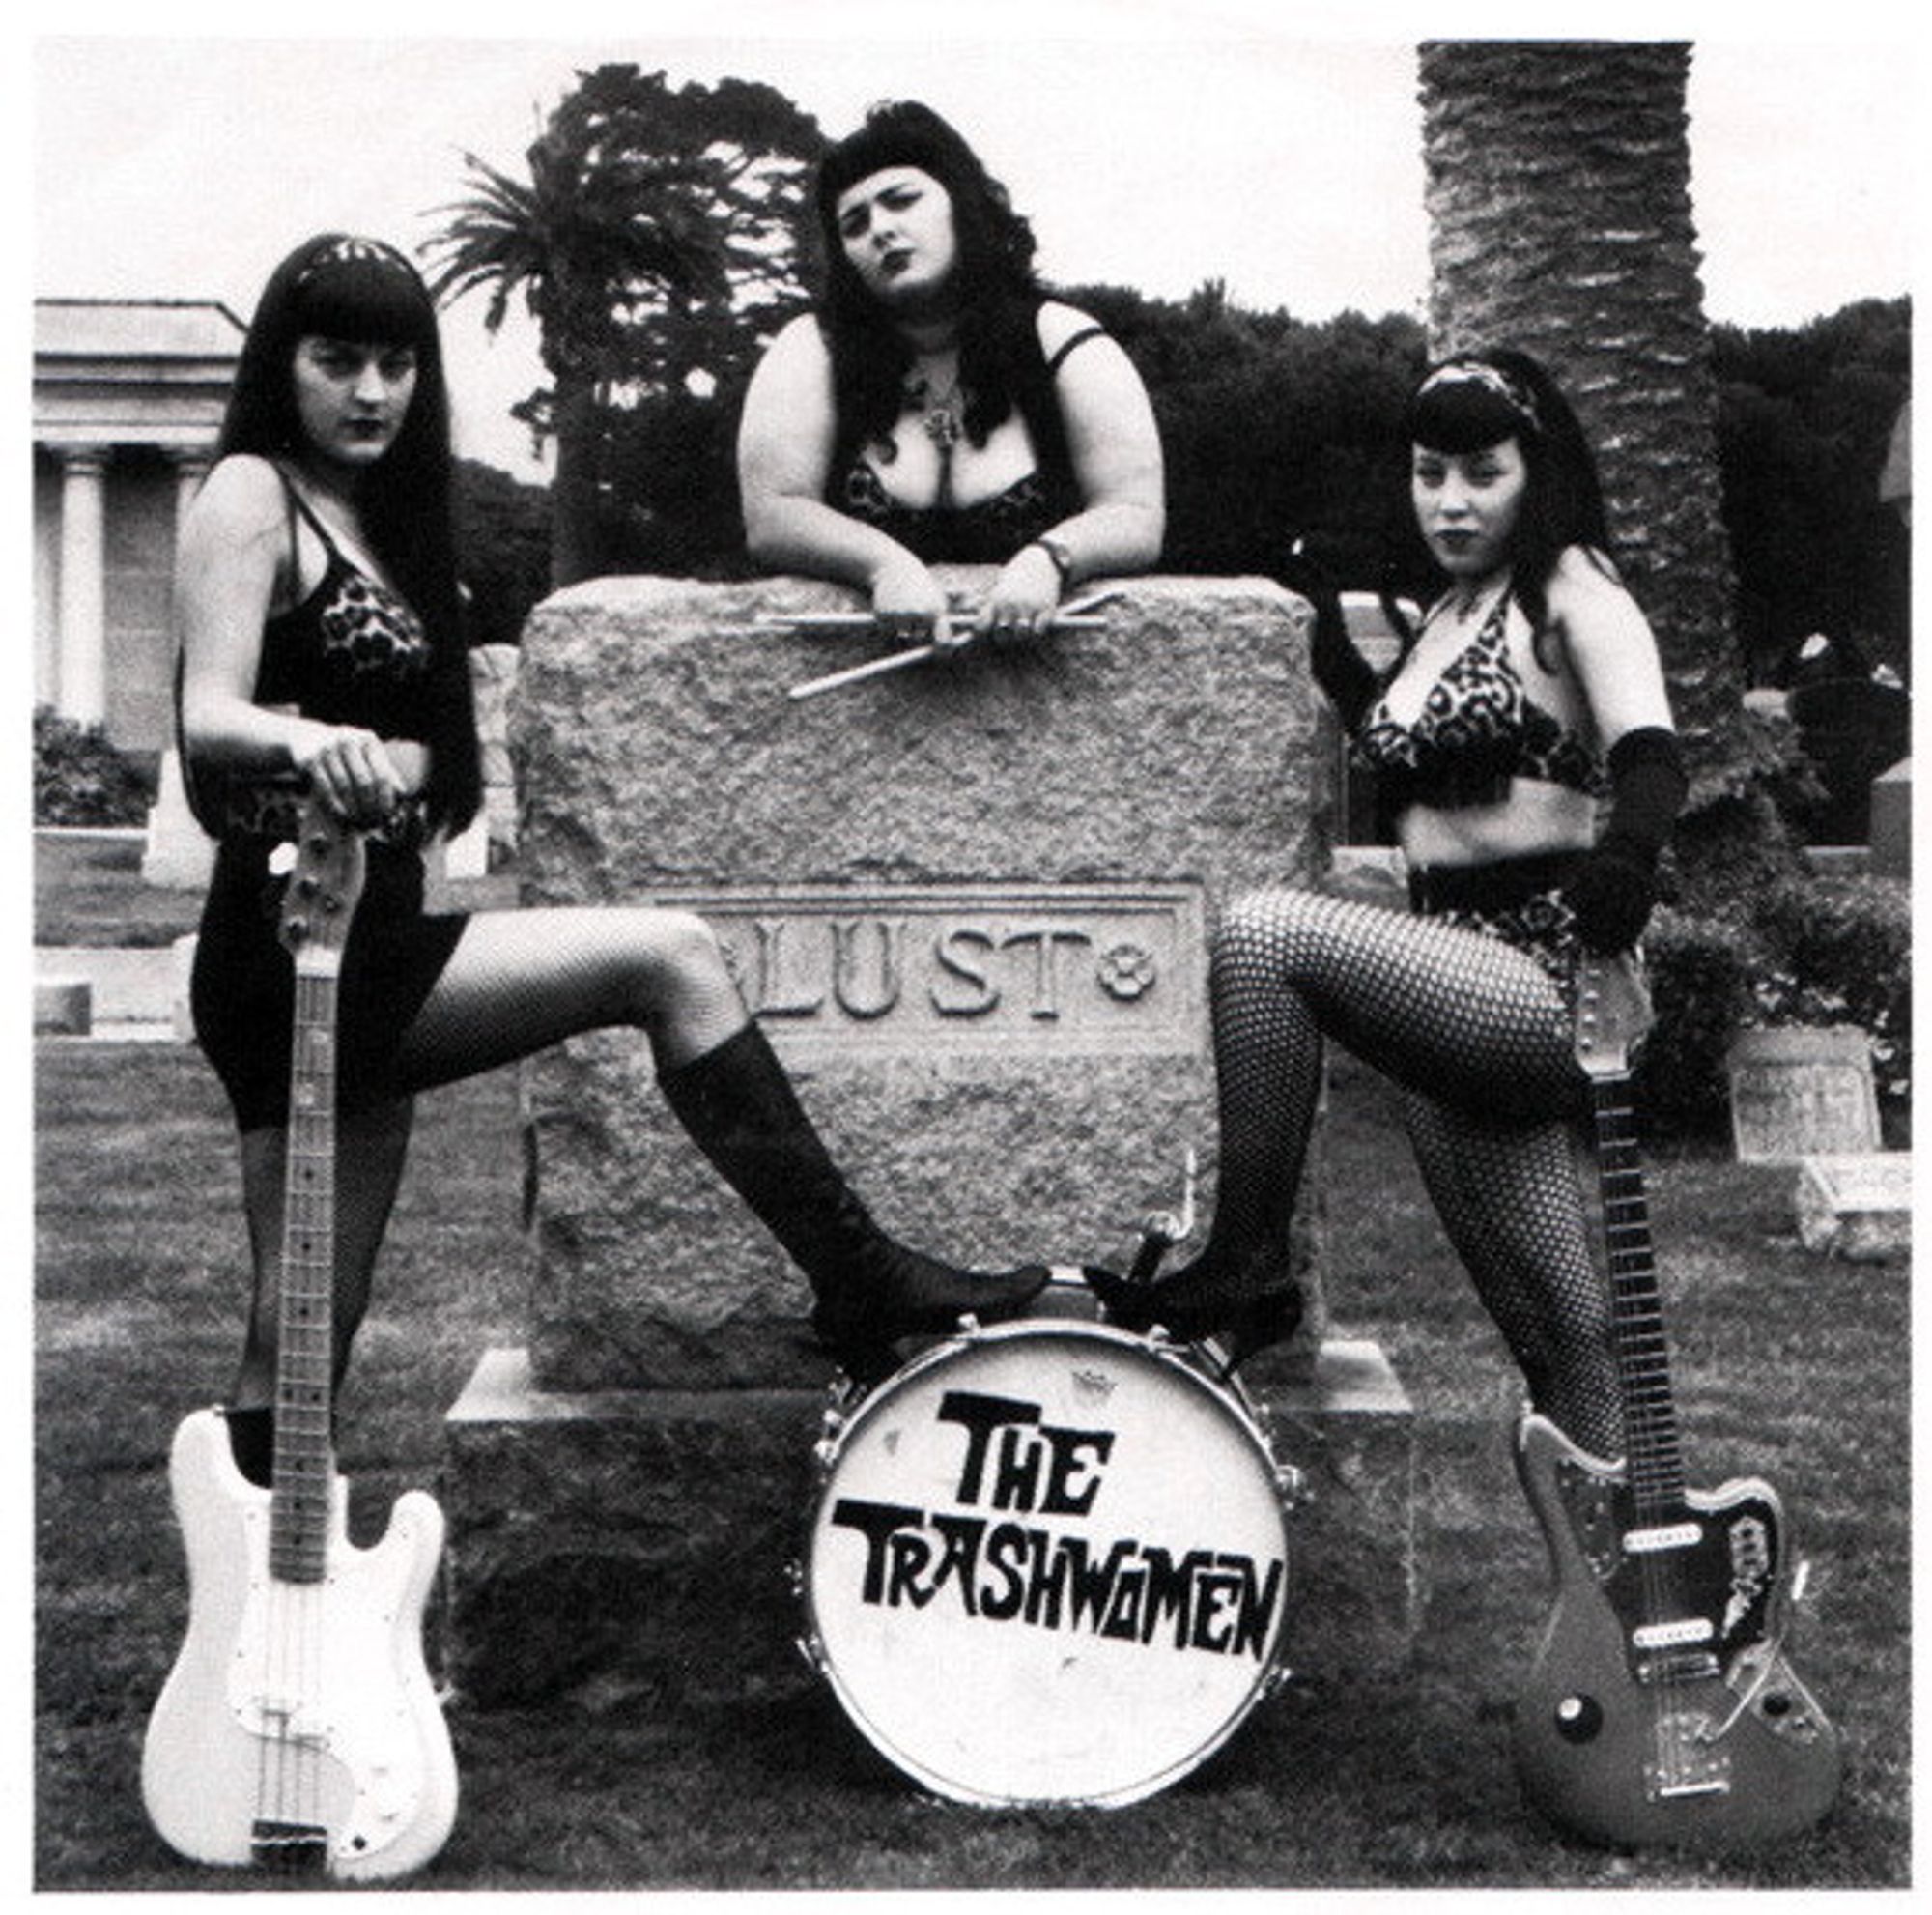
x=1477, y=1032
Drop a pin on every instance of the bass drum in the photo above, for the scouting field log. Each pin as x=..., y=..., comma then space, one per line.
x=1047, y=1563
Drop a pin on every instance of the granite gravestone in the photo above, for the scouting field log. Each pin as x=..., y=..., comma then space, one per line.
x=969, y=903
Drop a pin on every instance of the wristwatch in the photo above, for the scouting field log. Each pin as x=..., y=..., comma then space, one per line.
x=1063, y=559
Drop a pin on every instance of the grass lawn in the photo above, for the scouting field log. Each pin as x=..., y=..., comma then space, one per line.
x=1786, y=1364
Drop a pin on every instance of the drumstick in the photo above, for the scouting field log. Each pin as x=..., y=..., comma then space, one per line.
x=897, y=661
x=1072, y=618
x=866, y=621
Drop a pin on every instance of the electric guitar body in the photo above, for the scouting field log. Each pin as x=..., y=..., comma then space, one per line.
x=299, y=1731
x=1708, y=1743
x=1661, y=1710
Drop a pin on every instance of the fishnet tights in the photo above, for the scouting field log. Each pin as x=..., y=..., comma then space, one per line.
x=1477, y=1035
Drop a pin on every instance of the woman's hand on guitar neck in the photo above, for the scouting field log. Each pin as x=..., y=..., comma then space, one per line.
x=352, y=771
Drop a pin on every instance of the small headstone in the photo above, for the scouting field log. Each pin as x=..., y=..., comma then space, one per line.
x=62, y=1007
x=1803, y=1092
x=179, y=855
x=1858, y=1208
x=180, y=982
x=1892, y=821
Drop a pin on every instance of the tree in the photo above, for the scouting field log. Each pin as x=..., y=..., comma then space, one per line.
x=653, y=240
x=502, y=550
x=1558, y=191
x=1806, y=423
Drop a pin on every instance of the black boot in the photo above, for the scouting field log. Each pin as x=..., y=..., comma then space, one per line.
x=1261, y=1303
x=741, y=1111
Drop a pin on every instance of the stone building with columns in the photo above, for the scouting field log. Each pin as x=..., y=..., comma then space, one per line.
x=128, y=401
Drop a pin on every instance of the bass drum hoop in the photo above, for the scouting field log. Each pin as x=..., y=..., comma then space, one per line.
x=1230, y=1404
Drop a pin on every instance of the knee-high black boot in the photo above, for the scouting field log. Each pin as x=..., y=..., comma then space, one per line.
x=741, y=1111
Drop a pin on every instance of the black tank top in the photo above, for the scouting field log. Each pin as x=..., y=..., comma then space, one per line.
x=351, y=652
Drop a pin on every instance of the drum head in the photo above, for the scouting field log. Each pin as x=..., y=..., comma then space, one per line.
x=1048, y=1565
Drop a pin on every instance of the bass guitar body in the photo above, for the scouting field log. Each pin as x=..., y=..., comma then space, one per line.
x=299, y=1730
x=1659, y=1711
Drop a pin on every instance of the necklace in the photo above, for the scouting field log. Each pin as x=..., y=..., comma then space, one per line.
x=940, y=410
x=1466, y=599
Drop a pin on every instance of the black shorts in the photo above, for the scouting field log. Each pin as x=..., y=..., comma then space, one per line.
x=1516, y=899
x=243, y=991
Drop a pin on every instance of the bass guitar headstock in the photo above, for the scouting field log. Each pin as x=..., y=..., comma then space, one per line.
x=325, y=886
x=1612, y=1015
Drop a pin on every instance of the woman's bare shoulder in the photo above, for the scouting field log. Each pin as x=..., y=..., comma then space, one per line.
x=1059, y=321
x=243, y=492
x=1584, y=579
x=800, y=340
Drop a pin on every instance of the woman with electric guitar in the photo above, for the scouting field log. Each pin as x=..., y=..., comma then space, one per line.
x=1530, y=693
x=322, y=661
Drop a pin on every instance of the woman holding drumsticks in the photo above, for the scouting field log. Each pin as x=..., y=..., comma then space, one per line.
x=939, y=407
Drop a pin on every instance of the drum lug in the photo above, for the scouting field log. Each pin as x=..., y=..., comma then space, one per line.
x=1276, y=1681
x=1291, y=1483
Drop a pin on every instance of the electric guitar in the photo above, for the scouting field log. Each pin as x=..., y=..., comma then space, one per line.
x=1660, y=1711
x=299, y=1731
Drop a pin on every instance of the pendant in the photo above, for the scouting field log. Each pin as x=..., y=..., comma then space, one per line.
x=942, y=428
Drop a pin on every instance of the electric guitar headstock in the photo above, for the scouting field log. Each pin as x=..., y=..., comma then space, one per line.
x=325, y=886
x=1612, y=1015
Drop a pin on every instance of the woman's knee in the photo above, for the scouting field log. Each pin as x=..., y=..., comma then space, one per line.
x=680, y=962
x=1265, y=927
x=682, y=946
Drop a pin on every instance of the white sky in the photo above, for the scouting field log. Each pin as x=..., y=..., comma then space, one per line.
x=1153, y=143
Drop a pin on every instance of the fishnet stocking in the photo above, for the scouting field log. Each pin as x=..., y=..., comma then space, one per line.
x=1479, y=1034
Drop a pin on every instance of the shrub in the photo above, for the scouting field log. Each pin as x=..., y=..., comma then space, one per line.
x=1700, y=991
x=80, y=779
x=1841, y=951
x=1812, y=949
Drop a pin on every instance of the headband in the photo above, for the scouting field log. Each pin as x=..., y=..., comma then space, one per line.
x=1492, y=379
x=897, y=133
x=350, y=250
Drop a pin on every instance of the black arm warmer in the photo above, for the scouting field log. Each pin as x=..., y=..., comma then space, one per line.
x=1340, y=669
x=1648, y=788
x=1613, y=895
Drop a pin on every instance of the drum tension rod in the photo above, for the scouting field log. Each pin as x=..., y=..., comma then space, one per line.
x=1161, y=1230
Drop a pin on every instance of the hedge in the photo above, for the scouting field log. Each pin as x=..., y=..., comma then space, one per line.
x=80, y=779
x=1814, y=949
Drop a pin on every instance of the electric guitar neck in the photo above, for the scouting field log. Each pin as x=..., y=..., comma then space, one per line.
x=1661, y=1710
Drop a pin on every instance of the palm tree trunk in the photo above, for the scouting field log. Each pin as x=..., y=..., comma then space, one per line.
x=573, y=496
x=1558, y=191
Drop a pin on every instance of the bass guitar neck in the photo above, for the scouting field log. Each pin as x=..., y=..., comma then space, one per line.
x=299, y=1731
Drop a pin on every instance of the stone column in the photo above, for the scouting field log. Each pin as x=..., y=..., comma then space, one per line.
x=82, y=694
x=970, y=904
x=178, y=854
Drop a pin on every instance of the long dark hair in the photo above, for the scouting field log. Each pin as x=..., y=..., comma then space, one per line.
x=997, y=290
x=340, y=286
x=1478, y=399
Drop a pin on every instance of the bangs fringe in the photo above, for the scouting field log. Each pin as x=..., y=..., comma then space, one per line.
x=1462, y=416
x=366, y=298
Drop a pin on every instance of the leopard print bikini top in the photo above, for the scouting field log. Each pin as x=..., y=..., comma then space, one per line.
x=1478, y=729
x=349, y=653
